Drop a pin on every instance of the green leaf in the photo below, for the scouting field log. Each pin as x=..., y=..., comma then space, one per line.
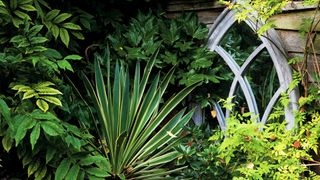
x=44, y=106
x=1, y=3
x=52, y=14
x=27, y=7
x=34, y=136
x=38, y=40
x=51, y=128
x=25, y=124
x=55, y=31
x=43, y=84
x=64, y=64
x=7, y=142
x=33, y=167
x=72, y=57
x=71, y=26
x=98, y=172
x=51, y=151
x=73, y=172
x=34, y=30
x=53, y=53
x=62, y=169
x=5, y=110
x=61, y=17
x=40, y=174
x=29, y=94
x=64, y=36
x=78, y=35
x=47, y=91
x=75, y=142
x=22, y=15
x=18, y=38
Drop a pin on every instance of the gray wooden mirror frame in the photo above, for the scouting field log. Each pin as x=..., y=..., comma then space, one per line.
x=272, y=43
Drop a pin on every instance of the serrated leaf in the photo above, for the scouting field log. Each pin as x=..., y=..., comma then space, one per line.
x=62, y=169
x=51, y=128
x=43, y=105
x=72, y=57
x=73, y=172
x=27, y=7
x=64, y=64
x=52, y=14
x=52, y=100
x=34, y=136
x=71, y=26
x=98, y=172
x=47, y=91
x=64, y=36
x=61, y=17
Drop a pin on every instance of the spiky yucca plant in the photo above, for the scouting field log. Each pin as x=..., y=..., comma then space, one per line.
x=129, y=118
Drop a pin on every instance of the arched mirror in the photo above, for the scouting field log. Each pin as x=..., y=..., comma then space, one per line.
x=258, y=63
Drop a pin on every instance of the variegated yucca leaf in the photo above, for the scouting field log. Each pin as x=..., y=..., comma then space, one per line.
x=131, y=119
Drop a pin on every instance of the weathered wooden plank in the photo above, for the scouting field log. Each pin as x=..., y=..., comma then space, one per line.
x=295, y=43
x=297, y=5
x=193, y=6
x=293, y=20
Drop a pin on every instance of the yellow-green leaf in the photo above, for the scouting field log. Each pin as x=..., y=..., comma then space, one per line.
x=44, y=84
x=43, y=105
x=29, y=94
x=34, y=136
x=47, y=91
x=1, y=3
x=64, y=36
x=55, y=31
x=52, y=14
x=71, y=26
x=61, y=17
x=33, y=167
x=52, y=100
x=78, y=35
x=7, y=142
x=27, y=7
x=22, y=15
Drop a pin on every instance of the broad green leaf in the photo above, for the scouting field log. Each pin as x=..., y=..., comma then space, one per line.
x=42, y=85
x=97, y=172
x=21, y=88
x=55, y=31
x=64, y=64
x=34, y=136
x=71, y=26
x=21, y=2
x=16, y=22
x=38, y=49
x=27, y=123
x=75, y=142
x=7, y=142
x=89, y=160
x=52, y=128
x=78, y=35
x=62, y=169
x=5, y=110
x=53, y=53
x=4, y=11
x=72, y=57
x=52, y=14
x=43, y=105
x=22, y=15
x=34, y=30
x=27, y=7
x=1, y=3
x=38, y=40
x=18, y=38
x=73, y=172
x=29, y=94
x=38, y=114
x=64, y=36
x=33, y=167
x=61, y=17
x=13, y=4
x=47, y=91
